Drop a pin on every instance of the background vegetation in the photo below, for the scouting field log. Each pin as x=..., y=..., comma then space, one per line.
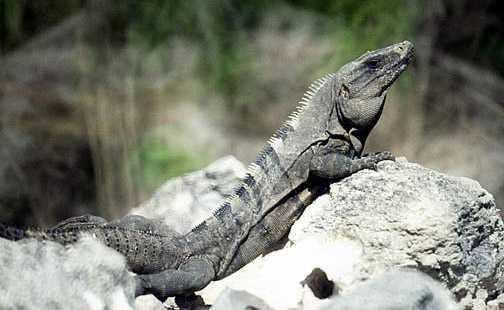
x=102, y=101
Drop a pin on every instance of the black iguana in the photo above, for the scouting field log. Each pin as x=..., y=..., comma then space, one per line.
x=322, y=140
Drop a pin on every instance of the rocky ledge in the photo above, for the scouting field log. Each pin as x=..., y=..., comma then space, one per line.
x=371, y=230
x=403, y=236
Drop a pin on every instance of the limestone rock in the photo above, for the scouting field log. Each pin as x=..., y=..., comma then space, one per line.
x=148, y=302
x=233, y=300
x=402, y=215
x=276, y=278
x=46, y=275
x=407, y=215
x=395, y=290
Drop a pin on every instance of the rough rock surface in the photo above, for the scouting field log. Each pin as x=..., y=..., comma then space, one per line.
x=231, y=300
x=186, y=201
x=148, y=302
x=46, y=275
x=402, y=215
x=408, y=215
x=395, y=290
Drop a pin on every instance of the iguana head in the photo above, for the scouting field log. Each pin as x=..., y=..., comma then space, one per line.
x=360, y=88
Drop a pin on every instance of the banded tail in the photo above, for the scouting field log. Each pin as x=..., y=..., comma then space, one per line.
x=57, y=235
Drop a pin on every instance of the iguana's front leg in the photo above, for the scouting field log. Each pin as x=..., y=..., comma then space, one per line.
x=190, y=277
x=336, y=165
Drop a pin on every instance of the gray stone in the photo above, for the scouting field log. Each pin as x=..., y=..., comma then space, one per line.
x=46, y=275
x=148, y=302
x=407, y=215
x=276, y=278
x=239, y=300
x=395, y=290
x=402, y=215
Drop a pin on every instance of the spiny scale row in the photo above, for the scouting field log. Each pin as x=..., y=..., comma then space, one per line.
x=274, y=143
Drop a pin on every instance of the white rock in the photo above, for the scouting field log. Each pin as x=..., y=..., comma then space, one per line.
x=276, y=277
x=46, y=275
x=403, y=215
x=394, y=290
x=233, y=300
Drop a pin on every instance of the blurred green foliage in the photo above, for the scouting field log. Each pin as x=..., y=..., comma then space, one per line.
x=218, y=27
x=367, y=24
x=357, y=26
x=220, y=30
x=161, y=161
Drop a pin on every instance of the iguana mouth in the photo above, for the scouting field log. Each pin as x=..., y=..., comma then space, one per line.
x=405, y=60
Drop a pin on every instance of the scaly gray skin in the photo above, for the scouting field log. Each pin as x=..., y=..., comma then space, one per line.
x=322, y=140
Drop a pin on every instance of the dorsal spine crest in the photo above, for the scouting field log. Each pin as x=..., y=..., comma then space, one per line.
x=274, y=143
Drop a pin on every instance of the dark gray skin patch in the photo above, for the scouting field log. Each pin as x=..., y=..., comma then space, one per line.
x=283, y=131
x=249, y=181
x=223, y=211
x=200, y=227
x=253, y=190
x=263, y=156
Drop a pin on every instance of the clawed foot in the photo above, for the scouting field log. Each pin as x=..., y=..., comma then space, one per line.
x=385, y=155
x=369, y=161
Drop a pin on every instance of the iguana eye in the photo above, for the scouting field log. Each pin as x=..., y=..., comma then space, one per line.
x=373, y=64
